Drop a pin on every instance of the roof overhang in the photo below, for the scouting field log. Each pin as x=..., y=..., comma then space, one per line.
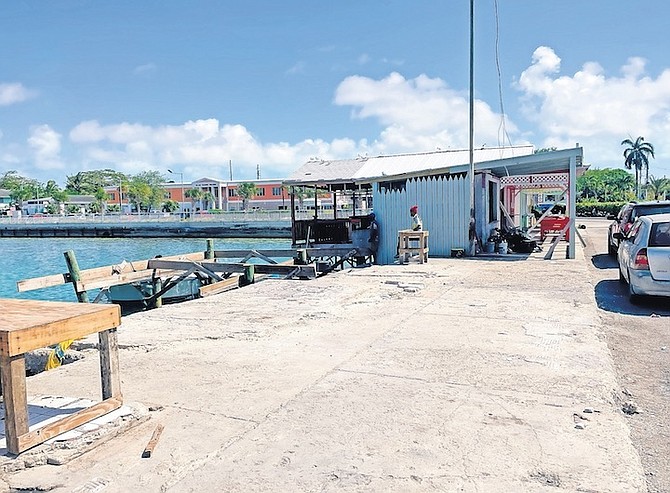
x=543, y=162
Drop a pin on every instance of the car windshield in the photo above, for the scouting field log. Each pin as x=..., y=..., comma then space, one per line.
x=650, y=210
x=660, y=235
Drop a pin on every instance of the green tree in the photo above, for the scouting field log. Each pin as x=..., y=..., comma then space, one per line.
x=246, y=191
x=303, y=193
x=145, y=190
x=100, y=200
x=11, y=180
x=170, y=206
x=637, y=155
x=88, y=182
x=208, y=199
x=606, y=185
x=196, y=195
x=658, y=187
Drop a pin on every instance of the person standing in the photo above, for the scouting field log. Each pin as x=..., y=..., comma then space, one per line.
x=373, y=239
x=417, y=224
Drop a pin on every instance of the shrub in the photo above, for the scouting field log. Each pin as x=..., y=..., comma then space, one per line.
x=598, y=209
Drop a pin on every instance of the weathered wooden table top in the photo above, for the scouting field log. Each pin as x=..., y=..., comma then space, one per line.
x=26, y=325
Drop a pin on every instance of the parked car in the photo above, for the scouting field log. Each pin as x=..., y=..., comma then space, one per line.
x=627, y=216
x=644, y=256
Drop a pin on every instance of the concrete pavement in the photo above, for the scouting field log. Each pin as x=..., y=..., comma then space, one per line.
x=456, y=375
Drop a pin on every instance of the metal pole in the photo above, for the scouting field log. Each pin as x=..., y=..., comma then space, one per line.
x=472, y=234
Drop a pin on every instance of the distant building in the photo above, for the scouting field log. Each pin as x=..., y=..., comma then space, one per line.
x=5, y=200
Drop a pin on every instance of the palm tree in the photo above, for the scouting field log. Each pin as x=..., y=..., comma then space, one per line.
x=658, y=187
x=637, y=154
x=246, y=191
x=208, y=198
x=195, y=194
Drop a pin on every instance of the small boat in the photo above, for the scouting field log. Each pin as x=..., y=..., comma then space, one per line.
x=140, y=294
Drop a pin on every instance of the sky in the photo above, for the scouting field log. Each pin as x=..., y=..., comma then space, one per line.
x=203, y=87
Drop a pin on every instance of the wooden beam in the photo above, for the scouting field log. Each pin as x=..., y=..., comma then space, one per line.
x=109, y=364
x=68, y=423
x=148, y=450
x=93, y=278
x=42, y=282
x=160, y=263
x=13, y=371
x=221, y=286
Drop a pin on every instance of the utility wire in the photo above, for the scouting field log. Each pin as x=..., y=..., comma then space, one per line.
x=502, y=129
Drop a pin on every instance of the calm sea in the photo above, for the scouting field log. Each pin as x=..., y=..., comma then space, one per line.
x=24, y=258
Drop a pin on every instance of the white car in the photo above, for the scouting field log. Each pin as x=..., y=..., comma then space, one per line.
x=644, y=256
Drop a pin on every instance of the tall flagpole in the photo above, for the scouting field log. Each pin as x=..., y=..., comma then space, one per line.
x=472, y=234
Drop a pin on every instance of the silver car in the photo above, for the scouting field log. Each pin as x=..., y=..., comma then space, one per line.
x=644, y=257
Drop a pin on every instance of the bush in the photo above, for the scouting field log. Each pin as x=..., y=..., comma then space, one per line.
x=598, y=209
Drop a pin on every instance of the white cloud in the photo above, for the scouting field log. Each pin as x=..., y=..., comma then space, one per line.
x=46, y=146
x=198, y=146
x=595, y=109
x=15, y=92
x=418, y=114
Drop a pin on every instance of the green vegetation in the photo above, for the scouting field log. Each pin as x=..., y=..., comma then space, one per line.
x=637, y=156
x=606, y=185
x=246, y=191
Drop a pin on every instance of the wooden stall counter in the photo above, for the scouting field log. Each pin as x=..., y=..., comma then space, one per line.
x=412, y=243
x=26, y=325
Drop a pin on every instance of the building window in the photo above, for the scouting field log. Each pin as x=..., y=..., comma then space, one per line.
x=276, y=191
x=232, y=192
x=260, y=192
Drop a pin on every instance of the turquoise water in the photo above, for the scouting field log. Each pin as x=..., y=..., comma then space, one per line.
x=24, y=258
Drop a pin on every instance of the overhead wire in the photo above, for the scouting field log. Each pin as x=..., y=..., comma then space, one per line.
x=502, y=128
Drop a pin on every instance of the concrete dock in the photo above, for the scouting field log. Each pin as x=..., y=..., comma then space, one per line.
x=455, y=375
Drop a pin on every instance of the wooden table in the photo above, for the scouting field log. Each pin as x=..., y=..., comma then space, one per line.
x=26, y=325
x=413, y=243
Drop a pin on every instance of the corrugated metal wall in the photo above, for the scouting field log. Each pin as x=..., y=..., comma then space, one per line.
x=443, y=206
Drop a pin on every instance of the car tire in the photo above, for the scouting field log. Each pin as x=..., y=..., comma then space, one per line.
x=611, y=249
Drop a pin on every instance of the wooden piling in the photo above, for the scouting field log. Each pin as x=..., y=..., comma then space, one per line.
x=75, y=275
x=209, y=253
x=248, y=276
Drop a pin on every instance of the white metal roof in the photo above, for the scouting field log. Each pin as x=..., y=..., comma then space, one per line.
x=362, y=168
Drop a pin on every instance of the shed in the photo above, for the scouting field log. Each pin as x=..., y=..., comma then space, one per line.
x=438, y=183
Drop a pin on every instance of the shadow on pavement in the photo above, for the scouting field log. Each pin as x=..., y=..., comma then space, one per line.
x=604, y=261
x=612, y=296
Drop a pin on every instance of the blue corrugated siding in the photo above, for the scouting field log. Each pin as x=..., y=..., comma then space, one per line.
x=443, y=206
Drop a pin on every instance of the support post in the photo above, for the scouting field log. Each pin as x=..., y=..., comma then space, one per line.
x=209, y=253
x=572, y=204
x=13, y=370
x=248, y=276
x=109, y=364
x=158, y=287
x=75, y=274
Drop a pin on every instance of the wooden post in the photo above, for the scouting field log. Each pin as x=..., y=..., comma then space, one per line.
x=75, y=274
x=302, y=256
x=209, y=253
x=109, y=364
x=158, y=285
x=248, y=276
x=15, y=398
x=293, y=234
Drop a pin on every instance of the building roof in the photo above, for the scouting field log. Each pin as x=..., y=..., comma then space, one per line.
x=365, y=169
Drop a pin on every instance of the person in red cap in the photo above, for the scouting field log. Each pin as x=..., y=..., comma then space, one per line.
x=417, y=225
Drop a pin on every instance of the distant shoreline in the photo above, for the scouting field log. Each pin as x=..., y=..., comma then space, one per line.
x=150, y=229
